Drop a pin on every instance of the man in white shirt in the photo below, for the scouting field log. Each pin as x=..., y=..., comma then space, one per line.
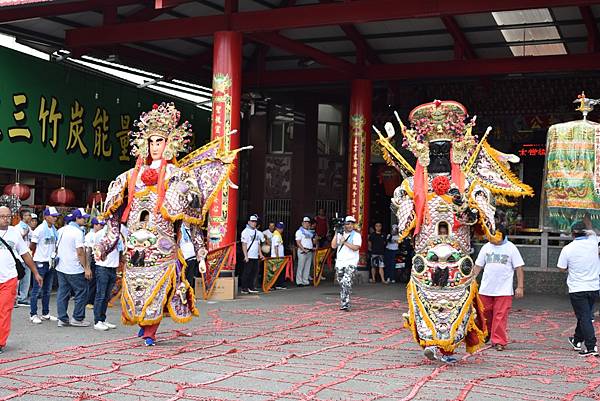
x=251, y=239
x=8, y=273
x=278, y=251
x=73, y=271
x=305, y=243
x=580, y=260
x=268, y=235
x=89, y=242
x=24, y=283
x=106, y=276
x=347, y=245
x=43, y=245
x=499, y=259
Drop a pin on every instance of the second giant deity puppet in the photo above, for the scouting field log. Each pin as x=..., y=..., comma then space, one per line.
x=454, y=187
x=153, y=200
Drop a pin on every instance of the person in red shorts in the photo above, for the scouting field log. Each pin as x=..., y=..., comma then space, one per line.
x=499, y=259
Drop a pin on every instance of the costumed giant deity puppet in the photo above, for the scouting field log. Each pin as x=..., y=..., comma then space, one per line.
x=453, y=187
x=153, y=199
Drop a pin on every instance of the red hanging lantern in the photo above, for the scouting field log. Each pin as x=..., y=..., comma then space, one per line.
x=390, y=178
x=62, y=197
x=21, y=191
x=96, y=198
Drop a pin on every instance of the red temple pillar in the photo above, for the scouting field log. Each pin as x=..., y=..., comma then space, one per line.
x=359, y=159
x=226, y=86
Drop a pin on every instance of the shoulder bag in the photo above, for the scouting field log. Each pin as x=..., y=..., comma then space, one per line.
x=18, y=264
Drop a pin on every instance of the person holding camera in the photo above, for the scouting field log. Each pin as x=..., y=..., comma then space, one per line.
x=304, y=241
x=347, y=244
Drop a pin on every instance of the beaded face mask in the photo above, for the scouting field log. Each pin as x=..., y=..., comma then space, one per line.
x=161, y=121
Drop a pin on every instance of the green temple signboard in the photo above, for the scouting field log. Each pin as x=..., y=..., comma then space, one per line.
x=57, y=119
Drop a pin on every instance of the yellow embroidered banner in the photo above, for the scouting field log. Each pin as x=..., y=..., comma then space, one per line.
x=216, y=260
x=272, y=268
x=322, y=255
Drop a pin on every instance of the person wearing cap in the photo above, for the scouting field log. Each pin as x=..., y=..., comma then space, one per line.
x=73, y=271
x=43, y=246
x=347, y=245
x=579, y=259
x=277, y=251
x=251, y=239
x=499, y=259
x=24, y=283
x=90, y=241
x=268, y=236
x=106, y=277
x=305, y=243
x=33, y=224
x=11, y=245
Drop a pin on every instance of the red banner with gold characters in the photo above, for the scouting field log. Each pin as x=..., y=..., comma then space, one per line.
x=272, y=268
x=216, y=260
x=226, y=85
x=359, y=158
x=322, y=256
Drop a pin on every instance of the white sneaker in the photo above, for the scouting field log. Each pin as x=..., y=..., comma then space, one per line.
x=100, y=326
x=35, y=319
x=430, y=353
x=109, y=325
x=79, y=323
x=49, y=317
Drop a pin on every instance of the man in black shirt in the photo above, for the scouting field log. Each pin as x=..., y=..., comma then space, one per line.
x=377, y=250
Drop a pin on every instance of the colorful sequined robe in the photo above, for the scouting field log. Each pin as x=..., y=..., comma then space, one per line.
x=154, y=277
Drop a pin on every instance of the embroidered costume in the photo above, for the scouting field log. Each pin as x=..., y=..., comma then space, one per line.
x=152, y=200
x=454, y=186
x=573, y=170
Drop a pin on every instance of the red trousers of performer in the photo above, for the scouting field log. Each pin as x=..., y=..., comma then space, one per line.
x=496, y=317
x=150, y=331
x=8, y=293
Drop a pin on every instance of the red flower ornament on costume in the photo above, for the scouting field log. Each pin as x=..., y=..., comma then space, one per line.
x=150, y=177
x=440, y=184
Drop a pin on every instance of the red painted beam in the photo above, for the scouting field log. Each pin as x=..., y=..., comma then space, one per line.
x=300, y=49
x=160, y=4
x=592, y=29
x=54, y=9
x=462, y=45
x=309, y=76
x=439, y=69
x=145, y=14
x=360, y=43
x=363, y=49
x=298, y=17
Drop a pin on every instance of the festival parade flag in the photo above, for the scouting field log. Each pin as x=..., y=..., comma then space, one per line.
x=215, y=261
x=322, y=255
x=272, y=269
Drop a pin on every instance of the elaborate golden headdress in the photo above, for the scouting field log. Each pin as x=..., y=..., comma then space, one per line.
x=161, y=121
x=439, y=121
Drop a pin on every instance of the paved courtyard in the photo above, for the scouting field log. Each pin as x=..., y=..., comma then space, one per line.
x=295, y=345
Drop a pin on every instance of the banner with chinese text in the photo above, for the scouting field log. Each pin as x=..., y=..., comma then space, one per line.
x=59, y=120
